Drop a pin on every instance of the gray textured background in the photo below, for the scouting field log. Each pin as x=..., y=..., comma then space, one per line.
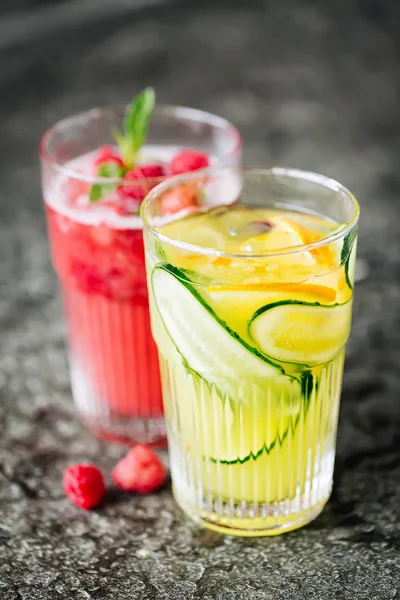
x=310, y=84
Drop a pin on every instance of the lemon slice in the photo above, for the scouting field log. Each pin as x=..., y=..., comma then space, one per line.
x=284, y=234
x=301, y=332
x=198, y=230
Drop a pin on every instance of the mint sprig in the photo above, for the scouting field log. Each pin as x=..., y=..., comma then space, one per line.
x=108, y=169
x=136, y=124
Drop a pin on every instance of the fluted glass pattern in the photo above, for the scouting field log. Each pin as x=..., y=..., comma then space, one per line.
x=114, y=366
x=247, y=458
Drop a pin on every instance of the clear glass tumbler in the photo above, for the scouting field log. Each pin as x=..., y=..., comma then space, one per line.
x=99, y=258
x=251, y=300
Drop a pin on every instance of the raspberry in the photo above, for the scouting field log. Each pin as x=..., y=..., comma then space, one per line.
x=188, y=160
x=140, y=471
x=178, y=198
x=107, y=154
x=88, y=277
x=149, y=171
x=84, y=485
x=120, y=281
x=134, y=194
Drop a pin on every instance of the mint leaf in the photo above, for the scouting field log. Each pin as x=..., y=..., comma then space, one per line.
x=348, y=245
x=138, y=116
x=136, y=124
x=100, y=190
x=118, y=135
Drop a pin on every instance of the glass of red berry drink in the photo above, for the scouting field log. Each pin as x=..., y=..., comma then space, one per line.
x=96, y=169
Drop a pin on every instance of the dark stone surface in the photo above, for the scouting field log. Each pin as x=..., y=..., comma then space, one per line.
x=309, y=84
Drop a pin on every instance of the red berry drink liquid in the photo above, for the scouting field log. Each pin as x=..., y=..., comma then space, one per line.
x=92, y=198
x=113, y=358
x=99, y=258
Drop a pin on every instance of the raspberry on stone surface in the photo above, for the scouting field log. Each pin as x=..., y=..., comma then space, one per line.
x=84, y=485
x=141, y=470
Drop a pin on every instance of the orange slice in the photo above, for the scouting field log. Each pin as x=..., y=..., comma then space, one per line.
x=221, y=261
x=321, y=254
x=328, y=293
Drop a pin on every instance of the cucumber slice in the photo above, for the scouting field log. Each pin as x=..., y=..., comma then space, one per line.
x=306, y=333
x=206, y=343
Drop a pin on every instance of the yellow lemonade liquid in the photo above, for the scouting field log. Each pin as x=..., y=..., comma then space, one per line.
x=251, y=346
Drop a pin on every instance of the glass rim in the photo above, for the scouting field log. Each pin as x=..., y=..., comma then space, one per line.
x=300, y=174
x=185, y=112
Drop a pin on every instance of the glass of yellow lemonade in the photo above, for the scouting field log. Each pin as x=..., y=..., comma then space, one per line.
x=251, y=288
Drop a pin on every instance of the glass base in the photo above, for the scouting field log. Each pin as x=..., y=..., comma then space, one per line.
x=128, y=430
x=250, y=459
x=257, y=526
x=129, y=422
